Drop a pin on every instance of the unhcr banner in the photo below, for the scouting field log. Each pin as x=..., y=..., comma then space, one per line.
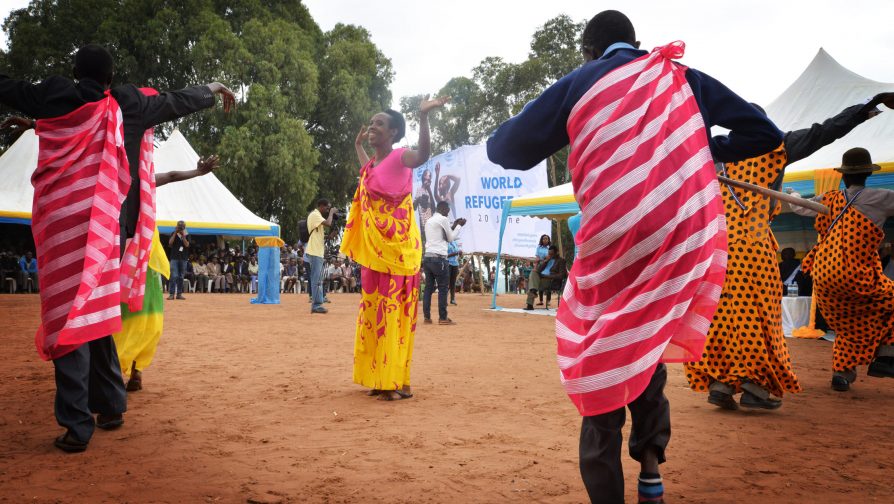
x=476, y=190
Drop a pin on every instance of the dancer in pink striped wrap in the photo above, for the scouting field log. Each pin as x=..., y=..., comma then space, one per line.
x=90, y=195
x=652, y=243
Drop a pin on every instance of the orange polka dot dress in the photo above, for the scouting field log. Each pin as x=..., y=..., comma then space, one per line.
x=856, y=298
x=745, y=341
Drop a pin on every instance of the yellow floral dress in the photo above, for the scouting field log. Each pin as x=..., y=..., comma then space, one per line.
x=382, y=236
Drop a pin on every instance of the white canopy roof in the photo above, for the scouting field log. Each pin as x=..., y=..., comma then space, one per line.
x=824, y=89
x=206, y=205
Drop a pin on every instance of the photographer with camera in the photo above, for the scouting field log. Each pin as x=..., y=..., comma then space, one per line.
x=179, y=243
x=315, y=250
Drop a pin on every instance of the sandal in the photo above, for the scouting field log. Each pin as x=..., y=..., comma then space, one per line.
x=401, y=395
x=373, y=392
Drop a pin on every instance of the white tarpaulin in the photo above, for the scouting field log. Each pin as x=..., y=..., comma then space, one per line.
x=476, y=190
x=824, y=89
x=206, y=205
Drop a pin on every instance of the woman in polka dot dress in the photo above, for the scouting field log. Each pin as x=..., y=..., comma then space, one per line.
x=746, y=350
x=851, y=289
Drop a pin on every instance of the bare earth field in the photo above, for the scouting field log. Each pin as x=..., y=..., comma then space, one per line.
x=255, y=404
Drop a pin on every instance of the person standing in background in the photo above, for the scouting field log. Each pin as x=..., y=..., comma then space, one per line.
x=453, y=254
x=179, y=243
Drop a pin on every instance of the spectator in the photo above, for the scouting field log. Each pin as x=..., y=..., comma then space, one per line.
x=218, y=280
x=552, y=273
x=453, y=255
x=347, y=275
x=9, y=266
x=179, y=243
x=316, y=224
x=28, y=270
x=790, y=272
x=190, y=275
x=243, y=277
x=523, y=273
x=438, y=234
x=534, y=278
x=290, y=274
x=200, y=268
x=253, y=273
x=227, y=270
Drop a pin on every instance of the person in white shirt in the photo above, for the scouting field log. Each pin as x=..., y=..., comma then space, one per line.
x=438, y=233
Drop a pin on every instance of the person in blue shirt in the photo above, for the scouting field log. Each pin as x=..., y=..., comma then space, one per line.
x=534, y=278
x=551, y=274
x=453, y=254
x=28, y=269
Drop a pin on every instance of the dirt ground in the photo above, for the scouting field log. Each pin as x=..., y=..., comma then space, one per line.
x=255, y=404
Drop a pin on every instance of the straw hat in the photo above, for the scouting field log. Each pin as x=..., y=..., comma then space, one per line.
x=857, y=160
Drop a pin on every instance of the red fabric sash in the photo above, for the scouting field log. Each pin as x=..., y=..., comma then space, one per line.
x=79, y=185
x=136, y=253
x=652, y=243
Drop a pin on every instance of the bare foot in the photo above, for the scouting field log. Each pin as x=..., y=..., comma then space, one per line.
x=373, y=392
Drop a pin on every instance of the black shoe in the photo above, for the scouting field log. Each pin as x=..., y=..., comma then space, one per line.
x=840, y=384
x=722, y=400
x=882, y=367
x=180, y=296
x=68, y=443
x=752, y=401
x=109, y=422
x=529, y=307
x=319, y=310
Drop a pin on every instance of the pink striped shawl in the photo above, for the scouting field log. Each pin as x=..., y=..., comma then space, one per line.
x=136, y=253
x=80, y=182
x=652, y=242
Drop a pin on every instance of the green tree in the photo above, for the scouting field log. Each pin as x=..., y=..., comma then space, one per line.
x=498, y=89
x=302, y=92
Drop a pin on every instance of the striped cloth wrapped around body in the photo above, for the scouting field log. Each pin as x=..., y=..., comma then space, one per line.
x=79, y=184
x=652, y=243
x=136, y=254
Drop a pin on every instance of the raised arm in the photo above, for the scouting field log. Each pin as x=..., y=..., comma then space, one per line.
x=362, y=156
x=536, y=132
x=416, y=158
x=802, y=143
x=172, y=105
x=203, y=167
x=751, y=133
x=27, y=97
x=454, y=185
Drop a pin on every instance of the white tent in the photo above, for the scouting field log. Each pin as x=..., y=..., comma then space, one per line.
x=823, y=90
x=206, y=205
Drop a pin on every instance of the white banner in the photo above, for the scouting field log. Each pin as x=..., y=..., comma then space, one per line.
x=476, y=190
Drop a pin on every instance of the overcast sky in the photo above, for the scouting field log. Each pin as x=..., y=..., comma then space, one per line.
x=756, y=47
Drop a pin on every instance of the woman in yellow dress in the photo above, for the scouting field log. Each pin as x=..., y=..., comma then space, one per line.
x=382, y=236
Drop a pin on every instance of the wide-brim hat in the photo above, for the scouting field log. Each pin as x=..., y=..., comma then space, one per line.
x=857, y=160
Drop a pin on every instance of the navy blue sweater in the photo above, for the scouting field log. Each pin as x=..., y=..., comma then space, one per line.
x=539, y=130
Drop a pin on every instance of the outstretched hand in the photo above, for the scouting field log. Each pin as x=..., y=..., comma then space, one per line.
x=428, y=105
x=886, y=98
x=227, y=97
x=16, y=124
x=207, y=165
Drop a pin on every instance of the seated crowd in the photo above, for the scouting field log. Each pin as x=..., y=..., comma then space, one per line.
x=18, y=272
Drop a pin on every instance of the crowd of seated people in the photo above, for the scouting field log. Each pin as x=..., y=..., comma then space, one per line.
x=18, y=272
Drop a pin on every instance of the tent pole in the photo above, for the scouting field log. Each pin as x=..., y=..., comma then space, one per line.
x=559, y=232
